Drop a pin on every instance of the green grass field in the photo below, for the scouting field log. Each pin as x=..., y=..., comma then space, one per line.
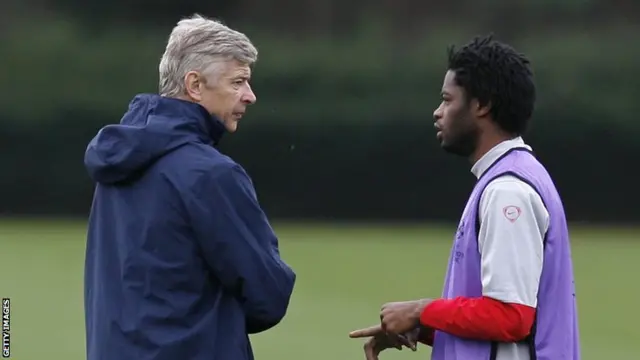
x=344, y=274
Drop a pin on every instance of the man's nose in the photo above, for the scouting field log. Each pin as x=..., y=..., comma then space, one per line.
x=249, y=97
x=437, y=113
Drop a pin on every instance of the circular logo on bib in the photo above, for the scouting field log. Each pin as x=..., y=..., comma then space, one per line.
x=512, y=212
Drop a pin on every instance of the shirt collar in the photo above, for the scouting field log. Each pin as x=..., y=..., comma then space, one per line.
x=496, y=152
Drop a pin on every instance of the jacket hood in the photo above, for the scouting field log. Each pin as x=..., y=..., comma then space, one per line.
x=152, y=127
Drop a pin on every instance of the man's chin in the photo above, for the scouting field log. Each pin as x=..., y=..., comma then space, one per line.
x=231, y=126
x=455, y=150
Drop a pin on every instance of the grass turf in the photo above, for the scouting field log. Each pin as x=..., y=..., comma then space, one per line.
x=345, y=272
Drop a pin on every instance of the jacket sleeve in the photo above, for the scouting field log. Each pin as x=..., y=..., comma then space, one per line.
x=240, y=246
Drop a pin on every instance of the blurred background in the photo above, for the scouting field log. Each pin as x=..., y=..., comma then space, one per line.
x=340, y=146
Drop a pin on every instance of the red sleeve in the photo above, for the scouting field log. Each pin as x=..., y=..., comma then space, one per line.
x=479, y=318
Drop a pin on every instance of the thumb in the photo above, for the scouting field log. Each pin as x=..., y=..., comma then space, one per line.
x=408, y=342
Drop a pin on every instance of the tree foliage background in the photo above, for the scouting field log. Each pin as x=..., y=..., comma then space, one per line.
x=346, y=90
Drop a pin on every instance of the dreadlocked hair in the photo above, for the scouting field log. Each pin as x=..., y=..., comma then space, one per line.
x=497, y=75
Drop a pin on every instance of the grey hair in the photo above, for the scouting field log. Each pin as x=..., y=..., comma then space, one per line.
x=195, y=44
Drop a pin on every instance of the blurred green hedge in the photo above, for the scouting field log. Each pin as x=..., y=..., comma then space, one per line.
x=54, y=67
x=342, y=129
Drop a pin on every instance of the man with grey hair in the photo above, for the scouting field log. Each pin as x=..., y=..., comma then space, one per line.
x=181, y=261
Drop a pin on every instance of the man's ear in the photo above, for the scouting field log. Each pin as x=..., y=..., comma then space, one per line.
x=479, y=110
x=192, y=85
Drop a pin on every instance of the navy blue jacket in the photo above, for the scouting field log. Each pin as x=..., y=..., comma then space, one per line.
x=181, y=262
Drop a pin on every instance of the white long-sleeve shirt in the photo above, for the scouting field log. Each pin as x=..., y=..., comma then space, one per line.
x=513, y=224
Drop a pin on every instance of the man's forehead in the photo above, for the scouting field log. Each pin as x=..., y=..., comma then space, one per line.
x=230, y=69
x=243, y=70
x=236, y=68
x=449, y=78
x=449, y=84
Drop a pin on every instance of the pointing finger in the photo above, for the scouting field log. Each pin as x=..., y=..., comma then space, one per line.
x=366, y=332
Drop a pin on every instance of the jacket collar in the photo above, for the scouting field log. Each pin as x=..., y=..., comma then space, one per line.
x=208, y=127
